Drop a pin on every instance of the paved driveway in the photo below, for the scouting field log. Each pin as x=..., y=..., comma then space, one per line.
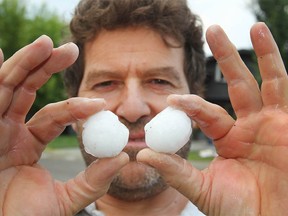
x=67, y=163
x=63, y=163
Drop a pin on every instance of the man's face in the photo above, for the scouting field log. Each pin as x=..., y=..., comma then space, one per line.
x=134, y=71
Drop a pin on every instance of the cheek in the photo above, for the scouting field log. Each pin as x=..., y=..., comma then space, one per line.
x=157, y=102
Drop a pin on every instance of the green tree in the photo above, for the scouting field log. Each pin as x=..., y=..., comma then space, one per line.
x=12, y=16
x=49, y=23
x=19, y=26
x=275, y=15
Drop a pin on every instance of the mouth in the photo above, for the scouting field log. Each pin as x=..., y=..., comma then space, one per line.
x=136, y=143
x=137, y=140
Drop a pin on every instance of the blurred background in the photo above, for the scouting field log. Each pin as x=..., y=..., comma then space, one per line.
x=22, y=21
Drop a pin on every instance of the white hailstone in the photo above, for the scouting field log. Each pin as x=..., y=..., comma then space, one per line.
x=104, y=135
x=168, y=131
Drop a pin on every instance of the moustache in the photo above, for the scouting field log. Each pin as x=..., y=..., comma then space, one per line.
x=134, y=128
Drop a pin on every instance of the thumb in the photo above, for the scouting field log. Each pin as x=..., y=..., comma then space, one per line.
x=177, y=172
x=92, y=183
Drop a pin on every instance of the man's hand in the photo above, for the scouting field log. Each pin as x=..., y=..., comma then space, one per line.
x=20, y=77
x=250, y=175
x=25, y=187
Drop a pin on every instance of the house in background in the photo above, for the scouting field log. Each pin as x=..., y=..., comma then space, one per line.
x=216, y=85
x=216, y=90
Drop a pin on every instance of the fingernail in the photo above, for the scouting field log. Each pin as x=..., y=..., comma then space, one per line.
x=39, y=38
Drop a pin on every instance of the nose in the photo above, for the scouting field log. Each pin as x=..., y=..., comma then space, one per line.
x=133, y=104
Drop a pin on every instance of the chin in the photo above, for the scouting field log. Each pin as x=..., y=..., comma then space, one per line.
x=136, y=182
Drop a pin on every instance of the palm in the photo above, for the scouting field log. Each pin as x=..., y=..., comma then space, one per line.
x=31, y=190
x=18, y=145
x=33, y=183
x=253, y=149
x=251, y=171
x=229, y=182
x=20, y=77
x=250, y=175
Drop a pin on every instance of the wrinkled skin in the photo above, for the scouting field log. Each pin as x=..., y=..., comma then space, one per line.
x=250, y=176
x=27, y=188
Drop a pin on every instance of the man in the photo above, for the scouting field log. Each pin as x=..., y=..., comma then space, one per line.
x=134, y=61
x=139, y=69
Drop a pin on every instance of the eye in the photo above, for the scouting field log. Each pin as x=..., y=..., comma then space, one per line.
x=160, y=82
x=105, y=85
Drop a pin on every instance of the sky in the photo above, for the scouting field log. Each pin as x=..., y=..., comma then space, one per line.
x=234, y=16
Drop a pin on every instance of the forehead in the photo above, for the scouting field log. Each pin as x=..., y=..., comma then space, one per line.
x=132, y=34
x=132, y=42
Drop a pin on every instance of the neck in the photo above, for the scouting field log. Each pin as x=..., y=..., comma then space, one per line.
x=168, y=202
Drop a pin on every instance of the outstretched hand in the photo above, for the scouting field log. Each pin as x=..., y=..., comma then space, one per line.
x=250, y=175
x=25, y=187
x=20, y=77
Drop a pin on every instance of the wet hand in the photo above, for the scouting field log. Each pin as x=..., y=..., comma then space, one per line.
x=250, y=175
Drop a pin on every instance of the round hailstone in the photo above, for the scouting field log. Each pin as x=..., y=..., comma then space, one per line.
x=104, y=135
x=168, y=131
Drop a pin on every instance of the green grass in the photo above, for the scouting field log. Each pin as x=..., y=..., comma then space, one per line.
x=194, y=156
x=64, y=141
x=70, y=141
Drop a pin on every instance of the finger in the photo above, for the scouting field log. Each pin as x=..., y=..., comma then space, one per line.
x=25, y=94
x=88, y=186
x=34, y=182
x=60, y=58
x=241, y=83
x=50, y=121
x=47, y=124
x=221, y=180
x=212, y=119
x=177, y=172
x=14, y=70
x=274, y=76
